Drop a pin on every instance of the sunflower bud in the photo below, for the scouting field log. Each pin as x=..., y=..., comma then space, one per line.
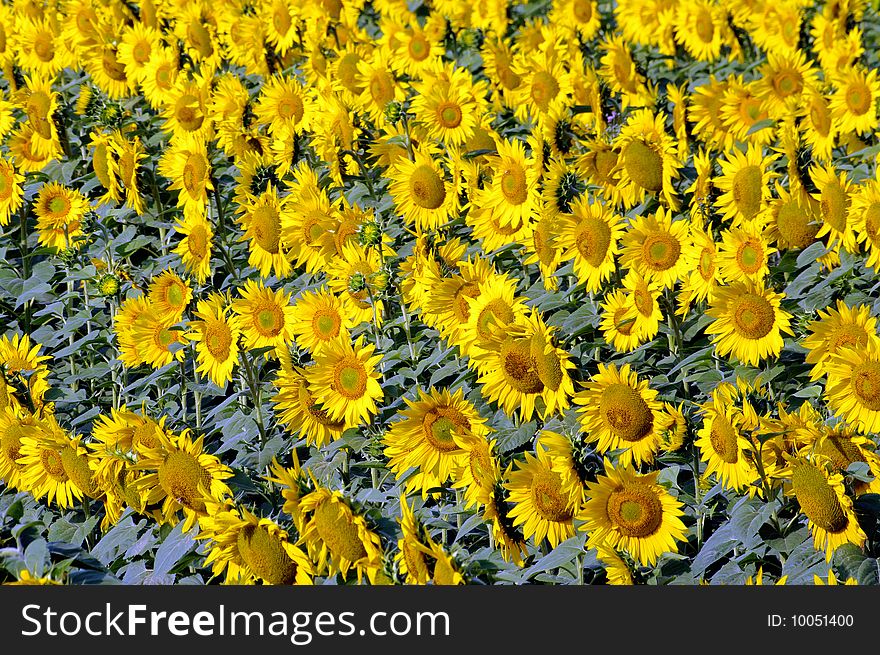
x=393, y=111
x=357, y=282
x=380, y=280
x=108, y=285
x=369, y=234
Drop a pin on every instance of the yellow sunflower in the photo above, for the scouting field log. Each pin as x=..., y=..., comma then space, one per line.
x=299, y=411
x=511, y=197
x=632, y=512
x=60, y=212
x=744, y=254
x=823, y=500
x=748, y=322
x=543, y=505
x=853, y=386
x=262, y=219
x=186, y=164
x=744, y=184
x=195, y=247
x=854, y=101
x=421, y=192
x=337, y=538
x=247, y=548
x=216, y=339
x=320, y=317
x=648, y=162
x=179, y=474
x=621, y=412
x=11, y=190
x=264, y=317
x=724, y=447
x=653, y=246
x=838, y=328
x=618, y=324
x=792, y=221
x=425, y=438
x=834, y=196
x=344, y=380
x=590, y=236
x=169, y=296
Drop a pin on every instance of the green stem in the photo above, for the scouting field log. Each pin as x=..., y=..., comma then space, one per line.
x=197, y=396
x=256, y=395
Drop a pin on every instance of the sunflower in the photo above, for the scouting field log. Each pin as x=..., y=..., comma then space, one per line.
x=792, y=222
x=14, y=426
x=417, y=551
x=724, y=447
x=247, y=548
x=299, y=411
x=186, y=164
x=543, y=505
x=618, y=324
x=60, y=212
x=834, y=196
x=865, y=212
x=743, y=254
x=823, y=500
x=280, y=18
x=310, y=217
x=522, y=370
x=160, y=77
x=39, y=48
x=621, y=412
x=23, y=364
x=785, y=76
x=43, y=472
x=195, y=247
x=835, y=329
x=818, y=126
x=510, y=198
x=744, y=184
x=590, y=236
x=129, y=154
x=182, y=476
x=748, y=322
x=480, y=472
x=447, y=109
x=169, y=296
x=742, y=109
x=653, y=246
x=11, y=190
x=379, y=86
x=853, y=386
x=264, y=317
x=352, y=276
x=421, y=192
x=337, y=538
x=580, y=16
x=320, y=317
x=632, y=512
x=186, y=110
x=647, y=163
x=617, y=570
x=699, y=28
x=494, y=307
x=702, y=251
x=425, y=438
x=136, y=48
x=155, y=342
x=854, y=101
x=644, y=296
x=216, y=339
x=619, y=72
x=546, y=86
x=345, y=381
x=284, y=106
x=261, y=220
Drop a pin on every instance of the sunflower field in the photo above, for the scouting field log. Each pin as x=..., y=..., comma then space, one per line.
x=439, y=292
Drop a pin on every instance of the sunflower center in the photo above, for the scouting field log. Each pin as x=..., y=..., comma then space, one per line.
x=496, y=312
x=747, y=190
x=144, y=436
x=706, y=264
x=834, y=205
x=419, y=48
x=643, y=165
x=197, y=242
x=480, y=464
x=218, y=339
x=550, y=502
x=165, y=337
x=339, y=532
x=544, y=89
x=326, y=324
x=866, y=385
x=705, y=26
x=266, y=226
x=449, y=115
x=723, y=437
x=858, y=97
x=53, y=464
x=643, y=301
x=439, y=426
x=625, y=412
x=141, y=52
x=381, y=88
x=519, y=367
x=621, y=324
x=582, y=10
x=77, y=469
x=513, y=184
x=635, y=510
x=787, y=83
x=194, y=171
x=175, y=295
x=847, y=334
x=841, y=451
x=593, y=238
x=164, y=76
x=38, y=105
x=347, y=72
x=817, y=498
x=820, y=116
x=180, y=476
x=426, y=187
x=606, y=160
x=264, y=554
x=750, y=256
x=269, y=319
x=58, y=205
x=200, y=37
x=872, y=223
x=661, y=251
x=281, y=19
x=113, y=69
x=753, y=316
x=290, y=106
x=350, y=378
x=460, y=307
x=548, y=364
x=796, y=229
x=7, y=184
x=44, y=48
x=187, y=112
